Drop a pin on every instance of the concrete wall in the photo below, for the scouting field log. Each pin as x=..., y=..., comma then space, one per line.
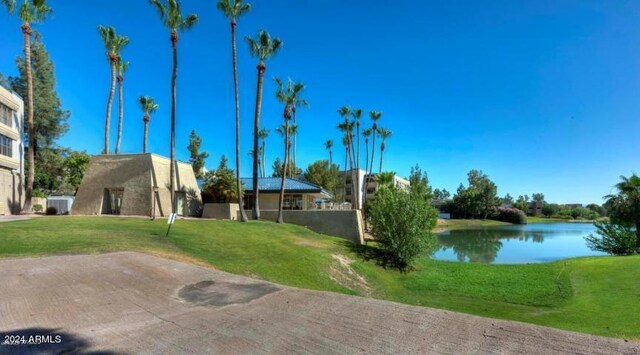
x=345, y=224
x=11, y=192
x=136, y=174
x=221, y=211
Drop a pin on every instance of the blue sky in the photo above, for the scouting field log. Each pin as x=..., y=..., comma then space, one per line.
x=543, y=96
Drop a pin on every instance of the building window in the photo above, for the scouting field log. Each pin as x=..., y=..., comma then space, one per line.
x=6, y=115
x=6, y=146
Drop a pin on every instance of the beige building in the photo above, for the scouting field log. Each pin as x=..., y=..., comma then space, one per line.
x=298, y=194
x=371, y=188
x=11, y=153
x=136, y=185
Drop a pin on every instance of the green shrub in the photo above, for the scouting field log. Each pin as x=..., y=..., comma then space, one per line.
x=613, y=239
x=51, y=210
x=38, y=193
x=401, y=224
x=37, y=208
x=510, y=215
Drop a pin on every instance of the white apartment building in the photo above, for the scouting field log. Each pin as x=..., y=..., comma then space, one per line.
x=11, y=153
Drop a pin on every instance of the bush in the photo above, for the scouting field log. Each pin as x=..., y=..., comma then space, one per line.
x=613, y=239
x=37, y=208
x=510, y=215
x=38, y=193
x=51, y=211
x=401, y=224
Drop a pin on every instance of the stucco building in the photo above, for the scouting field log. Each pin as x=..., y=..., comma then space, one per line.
x=136, y=185
x=11, y=152
x=298, y=194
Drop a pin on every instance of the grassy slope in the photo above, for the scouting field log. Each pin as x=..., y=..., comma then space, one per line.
x=595, y=295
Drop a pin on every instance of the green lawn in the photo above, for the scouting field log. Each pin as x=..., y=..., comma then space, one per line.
x=545, y=220
x=594, y=295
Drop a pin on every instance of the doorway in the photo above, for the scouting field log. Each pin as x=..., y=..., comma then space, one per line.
x=112, y=201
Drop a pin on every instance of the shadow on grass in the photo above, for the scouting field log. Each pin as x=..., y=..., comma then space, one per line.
x=369, y=253
x=45, y=341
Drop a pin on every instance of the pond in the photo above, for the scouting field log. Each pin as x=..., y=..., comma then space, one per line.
x=516, y=244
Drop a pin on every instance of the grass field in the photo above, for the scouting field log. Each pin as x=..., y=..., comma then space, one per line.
x=594, y=295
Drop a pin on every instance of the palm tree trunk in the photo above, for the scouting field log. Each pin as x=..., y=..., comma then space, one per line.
x=354, y=183
x=256, y=129
x=146, y=135
x=174, y=79
x=381, y=155
x=373, y=151
x=366, y=144
x=284, y=172
x=344, y=185
x=107, y=122
x=26, y=31
x=121, y=115
x=264, y=148
x=243, y=214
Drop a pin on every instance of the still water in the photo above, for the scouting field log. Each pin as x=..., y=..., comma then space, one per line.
x=516, y=244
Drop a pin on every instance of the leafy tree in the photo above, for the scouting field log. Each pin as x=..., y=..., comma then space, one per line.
x=234, y=9
x=50, y=120
x=171, y=16
x=290, y=96
x=121, y=68
x=401, y=224
x=114, y=44
x=262, y=47
x=507, y=200
x=197, y=158
x=550, y=209
x=4, y=82
x=624, y=207
x=420, y=183
x=597, y=209
x=31, y=11
x=322, y=174
x=75, y=166
x=148, y=106
x=538, y=197
x=613, y=239
x=522, y=203
x=441, y=195
x=220, y=185
x=278, y=168
x=479, y=199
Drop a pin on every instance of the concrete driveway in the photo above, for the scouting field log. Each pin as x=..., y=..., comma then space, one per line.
x=136, y=303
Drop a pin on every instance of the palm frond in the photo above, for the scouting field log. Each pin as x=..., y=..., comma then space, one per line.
x=10, y=5
x=188, y=23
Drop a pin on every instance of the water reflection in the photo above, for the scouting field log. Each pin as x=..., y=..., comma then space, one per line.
x=531, y=243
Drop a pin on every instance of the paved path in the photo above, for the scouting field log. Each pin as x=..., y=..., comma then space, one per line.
x=136, y=303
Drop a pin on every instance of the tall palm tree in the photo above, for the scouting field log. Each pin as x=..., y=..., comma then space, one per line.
x=114, y=45
x=31, y=11
x=121, y=69
x=366, y=133
x=347, y=127
x=289, y=95
x=384, y=134
x=356, y=114
x=262, y=47
x=328, y=145
x=233, y=9
x=263, y=134
x=375, y=116
x=171, y=16
x=345, y=142
x=148, y=106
